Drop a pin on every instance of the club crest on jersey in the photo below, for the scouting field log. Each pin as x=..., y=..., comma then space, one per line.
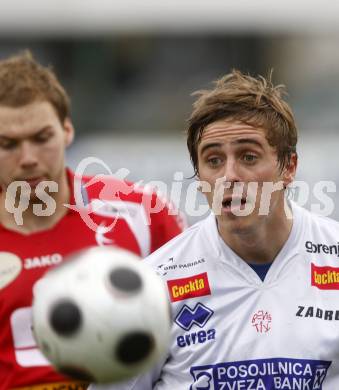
x=10, y=268
x=325, y=278
x=190, y=287
x=261, y=321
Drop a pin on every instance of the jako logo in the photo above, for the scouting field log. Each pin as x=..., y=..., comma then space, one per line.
x=43, y=261
x=199, y=316
x=325, y=278
x=191, y=287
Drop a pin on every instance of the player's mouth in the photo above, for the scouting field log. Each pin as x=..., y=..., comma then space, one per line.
x=33, y=181
x=230, y=204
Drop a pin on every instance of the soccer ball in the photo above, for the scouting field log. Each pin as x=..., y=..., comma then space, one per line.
x=102, y=316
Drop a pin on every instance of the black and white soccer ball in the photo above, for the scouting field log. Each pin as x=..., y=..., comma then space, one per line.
x=102, y=316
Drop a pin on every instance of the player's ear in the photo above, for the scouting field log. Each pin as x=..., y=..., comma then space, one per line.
x=69, y=131
x=199, y=184
x=290, y=170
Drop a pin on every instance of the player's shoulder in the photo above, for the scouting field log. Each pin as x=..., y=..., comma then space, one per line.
x=321, y=221
x=97, y=183
x=327, y=222
x=318, y=225
x=106, y=187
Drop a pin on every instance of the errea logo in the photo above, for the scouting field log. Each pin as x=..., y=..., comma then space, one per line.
x=42, y=261
x=198, y=316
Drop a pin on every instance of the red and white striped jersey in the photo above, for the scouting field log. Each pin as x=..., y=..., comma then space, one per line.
x=25, y=258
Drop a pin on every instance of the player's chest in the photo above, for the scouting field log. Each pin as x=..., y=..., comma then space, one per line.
x=24, y=259
x=217, y=313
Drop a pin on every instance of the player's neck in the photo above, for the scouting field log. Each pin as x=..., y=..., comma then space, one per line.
x=262, y=244
x=29, y=221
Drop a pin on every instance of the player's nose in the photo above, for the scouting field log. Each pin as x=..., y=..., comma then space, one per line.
x=28, y=155
x=231, y=171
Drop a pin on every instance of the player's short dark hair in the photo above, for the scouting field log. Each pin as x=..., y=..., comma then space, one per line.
x=254, y=101
x=23, y=81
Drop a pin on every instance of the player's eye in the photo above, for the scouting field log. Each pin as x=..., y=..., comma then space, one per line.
x=214, y=161
x=8, y=144
x=249, y=158
x=43, y=137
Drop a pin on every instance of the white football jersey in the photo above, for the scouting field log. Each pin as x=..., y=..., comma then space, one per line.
x=232, y=331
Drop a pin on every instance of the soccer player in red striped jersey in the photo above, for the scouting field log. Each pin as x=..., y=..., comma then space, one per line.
x=36, y=228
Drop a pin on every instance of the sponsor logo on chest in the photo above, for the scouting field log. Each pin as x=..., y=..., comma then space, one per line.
x=10, y=268
x=316, y=312
x=325, y=278
x=164, y=268
x=261, y=374
x=312, y=247
x=42, y=261
x=191, y=287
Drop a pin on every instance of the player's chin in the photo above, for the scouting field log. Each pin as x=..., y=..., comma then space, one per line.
x=241, y=228
x=237, y=221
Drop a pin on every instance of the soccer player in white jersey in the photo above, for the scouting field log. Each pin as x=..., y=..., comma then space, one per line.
x=254, y=288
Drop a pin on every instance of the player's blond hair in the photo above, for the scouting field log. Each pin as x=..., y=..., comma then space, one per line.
x=254, y=101
x=23, y=81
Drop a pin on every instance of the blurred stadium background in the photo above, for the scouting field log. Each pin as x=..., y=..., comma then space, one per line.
x=130, y=68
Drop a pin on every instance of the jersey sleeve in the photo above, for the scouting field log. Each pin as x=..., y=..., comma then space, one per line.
x=166, y=221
